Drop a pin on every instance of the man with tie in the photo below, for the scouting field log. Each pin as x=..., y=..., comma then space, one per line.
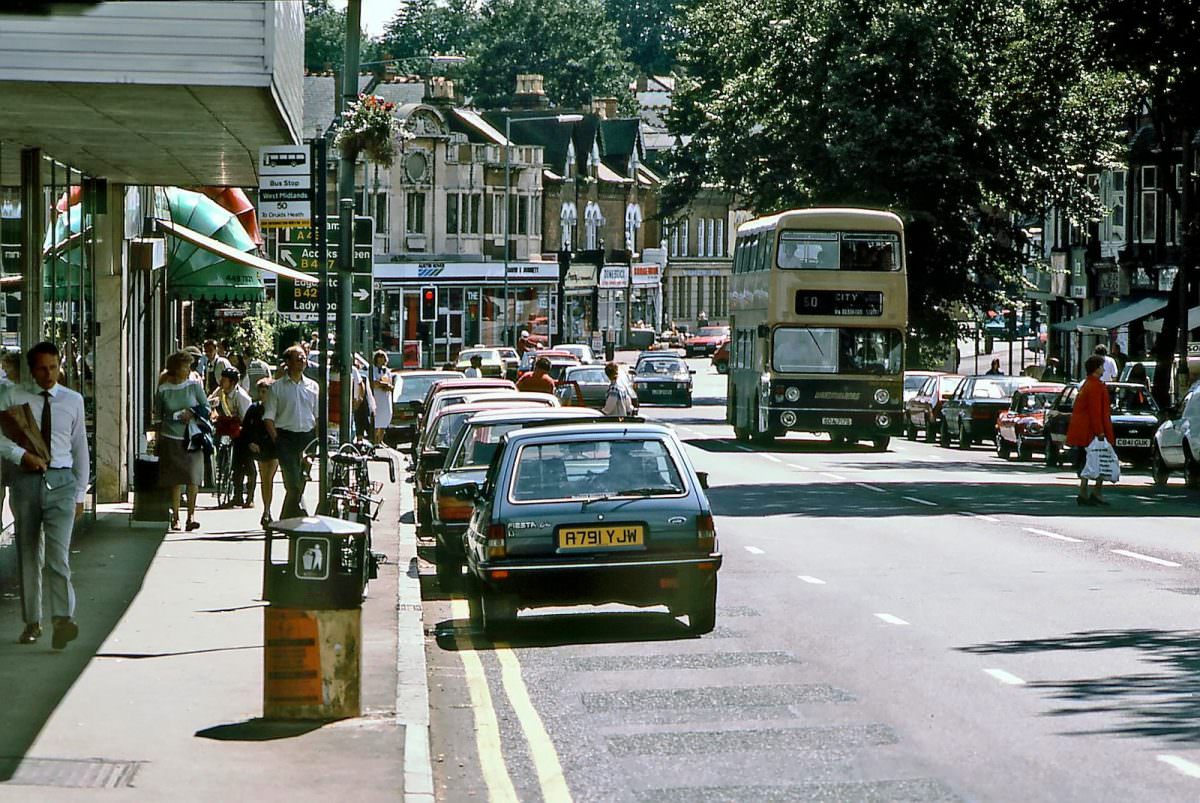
x=47, y=498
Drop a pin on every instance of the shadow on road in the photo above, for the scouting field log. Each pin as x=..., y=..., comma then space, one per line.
x=1162, y=703
x=561, y=629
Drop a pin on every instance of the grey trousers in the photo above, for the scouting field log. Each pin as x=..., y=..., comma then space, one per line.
x=43, y=508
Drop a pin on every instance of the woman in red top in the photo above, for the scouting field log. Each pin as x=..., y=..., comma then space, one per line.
x=1091, y=418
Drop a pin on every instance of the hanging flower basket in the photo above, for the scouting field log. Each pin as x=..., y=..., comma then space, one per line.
x=368, y=127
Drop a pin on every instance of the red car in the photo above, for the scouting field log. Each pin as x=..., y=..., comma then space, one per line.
x=720, y=358
x=706, y=340
x=1021, y=428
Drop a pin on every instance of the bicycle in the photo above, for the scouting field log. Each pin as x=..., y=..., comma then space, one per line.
x=223, y=481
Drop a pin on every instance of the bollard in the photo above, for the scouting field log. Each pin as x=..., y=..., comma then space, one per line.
x=312, y=627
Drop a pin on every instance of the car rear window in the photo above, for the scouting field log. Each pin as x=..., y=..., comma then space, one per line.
x=659, y=367
x=583, y=469
x=1133, y=401
x=591, y=376
x=994, y=388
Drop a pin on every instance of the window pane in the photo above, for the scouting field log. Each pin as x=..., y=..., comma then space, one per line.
x=581, y=469
x=838, y=351
x=452, y=213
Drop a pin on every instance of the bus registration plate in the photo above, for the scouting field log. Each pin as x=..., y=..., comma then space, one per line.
x=836, y=422
x=602, y=537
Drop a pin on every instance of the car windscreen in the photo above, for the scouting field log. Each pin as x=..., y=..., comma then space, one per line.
x=587, y=469
x=478, y=444
x=995, y=388
x=812, y=350
x=1132, y=401
x=831, y=250
x=660, y=367
x=412, y=388
x=915, y=382
x=1032, y=402
x=588, y=376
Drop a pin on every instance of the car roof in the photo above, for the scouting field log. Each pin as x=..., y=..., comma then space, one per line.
x=477, y=382
x=1028, y=380
x=507, y=414
x=489, y=404
x=606, y=429
x=404, y=374
x=922, y=372
x=1043, y=387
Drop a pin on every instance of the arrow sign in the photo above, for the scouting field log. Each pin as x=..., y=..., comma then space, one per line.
x=361, y=294
x=288, y=257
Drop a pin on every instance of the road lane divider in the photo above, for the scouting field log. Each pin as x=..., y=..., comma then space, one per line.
x=541, y=748
x=753, y=550
x=891, y=620
x=812, y=580
x=798, y=467
x=487, y=728
x=1048, y=534
x=920, y=501
x=770, y=457
x=981, y=517
x=1007, y=678
x=1148, y=558
x=832, y=476
x=871, y=487
x=1188, y=768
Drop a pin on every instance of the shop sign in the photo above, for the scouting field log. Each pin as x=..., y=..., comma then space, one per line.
x=646, y=274
x=580, y=277
x=614, y=277
x=466, y=271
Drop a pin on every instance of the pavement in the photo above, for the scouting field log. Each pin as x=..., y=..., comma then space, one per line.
x=160, y=698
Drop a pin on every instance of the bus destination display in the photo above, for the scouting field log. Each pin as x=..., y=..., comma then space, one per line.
x=848, y=303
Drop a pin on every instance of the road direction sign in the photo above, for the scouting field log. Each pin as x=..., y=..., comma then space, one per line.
x=305, y=299
x=364, y=232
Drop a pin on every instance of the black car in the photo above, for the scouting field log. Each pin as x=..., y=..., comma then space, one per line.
x=663, y=380
x=969, y=416
x=1135, y=417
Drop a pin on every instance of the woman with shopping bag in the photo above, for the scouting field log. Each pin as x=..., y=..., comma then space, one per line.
x=1091, y=421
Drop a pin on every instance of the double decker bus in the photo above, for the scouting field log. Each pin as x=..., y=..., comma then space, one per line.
x=819, y=310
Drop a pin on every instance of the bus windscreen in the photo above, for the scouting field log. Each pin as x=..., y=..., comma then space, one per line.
x=830, y=250
x=810, y=350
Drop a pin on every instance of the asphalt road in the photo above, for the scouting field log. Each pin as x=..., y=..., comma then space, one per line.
x=922, y=624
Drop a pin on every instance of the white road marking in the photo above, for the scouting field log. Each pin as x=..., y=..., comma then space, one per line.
x=743, y=447
x=1146, y=558
x=980, y=516
x=1145, y=499
x=870, y=487
x=772, y=458
x=1189, y=768
x=1007, y=678
x=753, y=550
x=1048, y=534
x=812, y=580
x=920, y=501
x=837, y=477
x=798, y=468
x=891, y=620
x=545, y=758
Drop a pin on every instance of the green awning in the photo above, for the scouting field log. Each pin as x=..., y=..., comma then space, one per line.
x=1113, y=316
x=62, y=256
x=195, y=273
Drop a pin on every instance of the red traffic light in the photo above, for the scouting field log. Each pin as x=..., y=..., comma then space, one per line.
x=429, y=295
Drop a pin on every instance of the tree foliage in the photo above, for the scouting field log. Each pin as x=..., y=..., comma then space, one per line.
x=961, y=115
x=428, y=27
x=569, y=42
x=325, y=37
x=646, y=29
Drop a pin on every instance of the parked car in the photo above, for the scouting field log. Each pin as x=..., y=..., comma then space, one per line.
x=587, y=386
x=720, y=358
x=1134, y=417
x=582, y=353
x=407, y=387
x=1021, y=428
x=705, y=341
x=467, y=461
x=924, y=410
x=914, y=381
x=457, y=385
x=511, y=361
x=588, y=514
x=559, y=360
x=663, y=380
x=1177, y=442
x=969, y=415
x=492, y=363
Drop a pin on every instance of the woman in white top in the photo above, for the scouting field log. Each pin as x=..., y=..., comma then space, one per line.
x=381, y=390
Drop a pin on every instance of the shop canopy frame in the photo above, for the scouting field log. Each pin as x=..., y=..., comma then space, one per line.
x=1155, y=326
x=1114, y=316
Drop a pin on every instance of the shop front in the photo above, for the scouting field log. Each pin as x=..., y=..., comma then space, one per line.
x=579, y=303
x=475, y=304
x=645, y=295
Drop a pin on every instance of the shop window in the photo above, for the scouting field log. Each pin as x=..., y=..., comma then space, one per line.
x=415, y=220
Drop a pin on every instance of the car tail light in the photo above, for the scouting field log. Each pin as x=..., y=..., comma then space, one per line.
x=982, y=413
x=706, y=532
x=451, y=508
x=497, y=541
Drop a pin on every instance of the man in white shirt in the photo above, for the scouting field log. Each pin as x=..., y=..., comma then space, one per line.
x=618, y=402
x=47, y=498
x=217, y=363
x=290, y=416
x=476, y=369
x=1110, y=365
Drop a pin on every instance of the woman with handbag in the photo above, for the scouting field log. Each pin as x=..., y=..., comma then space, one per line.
x=177, y=401
x=1091, y=418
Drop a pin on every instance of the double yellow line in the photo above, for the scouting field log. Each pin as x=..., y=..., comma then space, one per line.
x=487, y=730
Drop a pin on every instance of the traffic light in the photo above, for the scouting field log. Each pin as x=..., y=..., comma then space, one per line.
x=428, y=304
x=1010, y=316
x=1035, y=319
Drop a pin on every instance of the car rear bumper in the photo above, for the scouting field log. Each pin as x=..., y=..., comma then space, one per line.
x=640, y=582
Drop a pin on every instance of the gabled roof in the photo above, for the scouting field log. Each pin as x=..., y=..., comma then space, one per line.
x=619, y=140
x=477, y=129
x=554, y=137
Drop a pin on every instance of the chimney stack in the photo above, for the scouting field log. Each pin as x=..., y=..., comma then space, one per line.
x=439, y=90
x=605, y=108
x=530, y=94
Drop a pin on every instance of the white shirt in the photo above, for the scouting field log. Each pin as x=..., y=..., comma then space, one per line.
x=68, y=432
x=618, y=402
x=292, y=405
x=238, y=400
x=472, y=373
x=1110, y=370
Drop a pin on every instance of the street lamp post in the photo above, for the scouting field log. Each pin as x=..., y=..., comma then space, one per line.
x=508, y=121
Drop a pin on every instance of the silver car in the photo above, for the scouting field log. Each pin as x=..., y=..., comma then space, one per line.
x=590, y=514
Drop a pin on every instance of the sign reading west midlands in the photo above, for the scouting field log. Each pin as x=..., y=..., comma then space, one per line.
x=304, y=301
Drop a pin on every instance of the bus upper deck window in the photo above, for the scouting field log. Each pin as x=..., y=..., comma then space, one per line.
x=808, y=250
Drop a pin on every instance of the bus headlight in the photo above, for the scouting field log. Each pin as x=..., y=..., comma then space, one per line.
x=883, y=420
x=787, y=417
x=792, y=394
x=882, y=396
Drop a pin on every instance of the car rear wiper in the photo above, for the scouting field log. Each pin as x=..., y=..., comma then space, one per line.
x=668, y=490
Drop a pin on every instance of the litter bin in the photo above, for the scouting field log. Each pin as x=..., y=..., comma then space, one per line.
x=312, y=661
x=150, y=502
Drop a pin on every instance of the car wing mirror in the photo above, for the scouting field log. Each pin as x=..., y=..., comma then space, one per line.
x=468, y=492
x=417, y=405
x=702, y=476
x=691, y=370
x=433, y=458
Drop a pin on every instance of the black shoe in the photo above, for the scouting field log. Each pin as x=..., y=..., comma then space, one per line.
x=65, y=631
x=1086, y=501
x=266, y=519
x=1095, y=500
x=30, y=634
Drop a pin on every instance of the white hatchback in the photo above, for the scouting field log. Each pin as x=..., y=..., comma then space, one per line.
x=1177, y=442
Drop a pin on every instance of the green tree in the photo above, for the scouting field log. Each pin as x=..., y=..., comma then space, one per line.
x=961, y=115
x=570, y=42
x=647, y=30
x=325, y=37
x=428, y=27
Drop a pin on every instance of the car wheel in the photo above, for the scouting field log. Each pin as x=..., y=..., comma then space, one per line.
x=1003, y=450
x=449, y=568
x=930, y=433
x=964, y=435
x=1159, y=473
x=702, y=609
x=497, y=612
x=1052, y=456
x=1191, y=469
x=1024, y=450
x=944, y=435
x=881, y=444
x=910, y=431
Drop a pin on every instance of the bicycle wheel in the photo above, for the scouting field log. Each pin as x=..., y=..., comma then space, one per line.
x=225, y=476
